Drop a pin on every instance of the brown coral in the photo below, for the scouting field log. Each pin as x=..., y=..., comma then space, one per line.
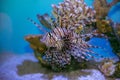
x=74, y=14
x=35, y=43
x=108, y=68
x=102, y=7
x=104, y=26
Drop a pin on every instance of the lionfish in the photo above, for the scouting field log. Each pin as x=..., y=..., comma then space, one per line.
x=63, y=43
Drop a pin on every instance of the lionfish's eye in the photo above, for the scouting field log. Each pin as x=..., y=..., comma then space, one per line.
x=52, y=48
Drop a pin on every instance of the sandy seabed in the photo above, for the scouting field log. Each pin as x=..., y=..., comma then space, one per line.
x=26, y=67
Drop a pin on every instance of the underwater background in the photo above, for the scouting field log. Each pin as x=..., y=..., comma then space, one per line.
x=14, y=24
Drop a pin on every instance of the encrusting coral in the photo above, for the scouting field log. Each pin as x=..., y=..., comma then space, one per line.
x=35, y=43
x=104, y=26
x=108, y=68
x=38, y=47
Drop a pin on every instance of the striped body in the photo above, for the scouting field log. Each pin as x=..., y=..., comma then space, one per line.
x=63, y=44
x=55, y=37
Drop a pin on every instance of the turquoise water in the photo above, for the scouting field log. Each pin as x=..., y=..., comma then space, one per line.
x=14, y=25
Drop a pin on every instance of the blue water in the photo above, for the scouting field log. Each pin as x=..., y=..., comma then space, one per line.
x=14, y=25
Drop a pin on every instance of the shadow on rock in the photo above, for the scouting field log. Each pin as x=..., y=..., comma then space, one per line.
x=30, y=67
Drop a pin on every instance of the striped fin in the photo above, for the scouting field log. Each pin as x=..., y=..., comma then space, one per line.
x=77, y=54
x=83, y=56
x=49, y=39
x=54, y=24
x=37, y=25
x=45, y=20
x=59, y=21
x=93, y=34
x=90, y=51
x=59, y=32
x=92, y=46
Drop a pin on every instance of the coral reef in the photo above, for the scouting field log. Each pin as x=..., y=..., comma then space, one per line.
x=38, y=47
x=102, y=8
x=117, y=70
x=72, y=25
x=74, y=14
x=105, y=25
x=62, y=44
x=108, y=68
x=35, y=43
